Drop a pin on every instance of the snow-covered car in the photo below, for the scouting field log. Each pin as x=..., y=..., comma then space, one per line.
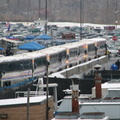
x=113, y=50
x=2, y=56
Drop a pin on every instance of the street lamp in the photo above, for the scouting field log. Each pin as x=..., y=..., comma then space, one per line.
x=98, y=79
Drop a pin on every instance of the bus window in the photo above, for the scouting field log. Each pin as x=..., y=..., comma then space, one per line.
x=85, y=52
x=7, y=83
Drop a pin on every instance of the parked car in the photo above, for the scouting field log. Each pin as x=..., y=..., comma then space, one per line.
x=2, y=56
x=113, y=51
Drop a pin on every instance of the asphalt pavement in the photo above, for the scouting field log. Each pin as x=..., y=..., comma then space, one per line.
x=111, y=60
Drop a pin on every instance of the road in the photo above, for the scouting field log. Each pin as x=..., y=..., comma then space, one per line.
x=110, y=62
x=106, y=65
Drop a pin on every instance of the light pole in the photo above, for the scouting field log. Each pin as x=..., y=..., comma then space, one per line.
x=80, y=19
x=46, y=17
x=39, y=6
x=107, y=11
x=47, y=94
x=29, y=9
x=8, y=6
x=116, y=12
x=28, y=95
x=47, y=82
x=28, y=103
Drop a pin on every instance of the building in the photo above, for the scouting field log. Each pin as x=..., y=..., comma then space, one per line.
x=21, y=109
x=68, y=36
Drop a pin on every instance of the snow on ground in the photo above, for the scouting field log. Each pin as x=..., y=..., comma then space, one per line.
x=71, y=24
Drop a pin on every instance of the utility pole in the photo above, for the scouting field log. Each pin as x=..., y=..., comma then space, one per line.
x=8, y=6
x=8, y=2
x=116, y=11
x=80, y=19
x=18, y=6
x=47, y=94
x=46, y=17
x=29, y=9
x=28, y=103
x=39, y=3
x=28, y=95
x=107, y=11
x=47, y=89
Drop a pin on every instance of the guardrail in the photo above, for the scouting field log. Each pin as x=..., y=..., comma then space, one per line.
x=81, y=68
